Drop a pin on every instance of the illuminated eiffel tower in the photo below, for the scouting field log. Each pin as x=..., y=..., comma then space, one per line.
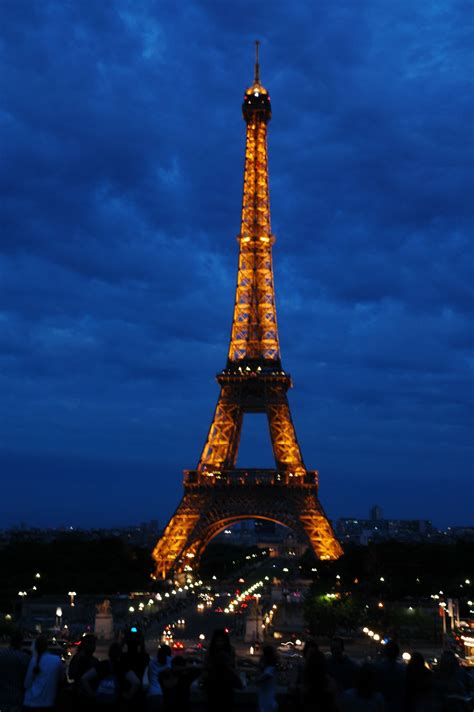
x=216, y=493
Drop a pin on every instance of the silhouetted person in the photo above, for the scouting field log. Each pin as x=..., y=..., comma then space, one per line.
x=450, y=678
x=341, y=668
x=419, y=685
x=44, y=676
x=176, y=684
x=135, y=660
x=318, y=689
x=13, y=667
x=296, y=686
x=107, y=686
x=267, y=680
x=363, y=697
x=135, y=657
x=83, y=660
x=161, y=662
x=391, y=677
x=219, y=676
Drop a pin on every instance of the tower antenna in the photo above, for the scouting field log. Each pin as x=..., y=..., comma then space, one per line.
x=257, y=65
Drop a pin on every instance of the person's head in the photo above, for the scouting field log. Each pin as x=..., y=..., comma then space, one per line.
x=41, y=646
x=315, y=667
x=88, y=643
x=309, y=646
x=16, y=639
x=337, y=647
x=365, y=681
x=178, y=663
x=115, y=652
x=133, y=641
x=391, y=651
x=448, y=664
x=269, y=656
x=220, y=642
x=416, y=664
x=163, y=653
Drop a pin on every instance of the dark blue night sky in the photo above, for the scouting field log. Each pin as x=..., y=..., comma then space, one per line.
x=121, y=165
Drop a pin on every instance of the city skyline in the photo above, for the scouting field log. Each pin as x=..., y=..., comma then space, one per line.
x=118, y=255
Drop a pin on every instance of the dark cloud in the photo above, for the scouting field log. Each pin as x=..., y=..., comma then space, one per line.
x=121, y=173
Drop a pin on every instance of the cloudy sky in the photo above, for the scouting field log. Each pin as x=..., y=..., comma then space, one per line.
x=121, y=165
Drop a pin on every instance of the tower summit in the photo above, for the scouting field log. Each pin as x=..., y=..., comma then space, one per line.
x=217, y=493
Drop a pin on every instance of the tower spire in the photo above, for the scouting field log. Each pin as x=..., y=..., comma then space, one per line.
x=257, y=64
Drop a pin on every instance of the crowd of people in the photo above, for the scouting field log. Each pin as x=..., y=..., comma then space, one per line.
x=130, y=680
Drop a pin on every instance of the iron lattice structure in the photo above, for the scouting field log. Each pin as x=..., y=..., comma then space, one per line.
x=217, y=493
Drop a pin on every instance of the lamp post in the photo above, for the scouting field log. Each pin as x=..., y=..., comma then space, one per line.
x=257, y=631
x=72, y=595
x=59, y=616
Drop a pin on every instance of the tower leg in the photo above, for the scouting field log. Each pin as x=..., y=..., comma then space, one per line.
x=223, y=438
x=176, y=536
x=282, y=432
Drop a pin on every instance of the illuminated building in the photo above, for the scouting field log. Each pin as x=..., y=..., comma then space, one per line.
x=376, y=528
x=217, y=493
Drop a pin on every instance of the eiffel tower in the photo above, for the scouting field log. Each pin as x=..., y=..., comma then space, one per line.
x=217, y=493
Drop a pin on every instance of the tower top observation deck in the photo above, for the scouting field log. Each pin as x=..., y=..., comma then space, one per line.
x=256, y=97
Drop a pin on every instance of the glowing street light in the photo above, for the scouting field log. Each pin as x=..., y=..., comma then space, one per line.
x=72, y=595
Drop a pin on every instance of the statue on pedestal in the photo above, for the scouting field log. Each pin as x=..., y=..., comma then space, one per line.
x=104, y=622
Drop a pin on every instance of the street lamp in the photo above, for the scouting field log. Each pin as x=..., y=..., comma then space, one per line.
x=71, y=595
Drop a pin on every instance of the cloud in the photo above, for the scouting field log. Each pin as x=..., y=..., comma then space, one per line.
x=121, y=177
